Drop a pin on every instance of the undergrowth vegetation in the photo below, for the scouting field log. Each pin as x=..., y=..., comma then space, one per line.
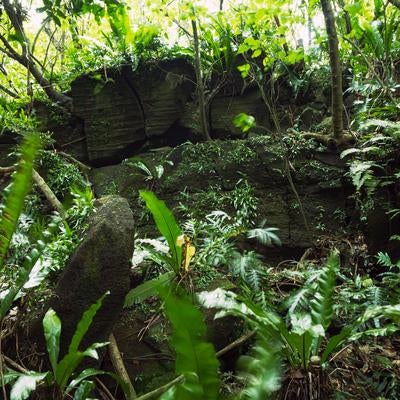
x=325, y=80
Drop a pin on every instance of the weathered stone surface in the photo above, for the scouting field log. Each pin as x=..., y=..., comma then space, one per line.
x=67, y=129
x=225, y=108
x=122, y=109
x=101, y=263
x=164, y=88
x=119, y=112
x=112, y=115
x=209, y=173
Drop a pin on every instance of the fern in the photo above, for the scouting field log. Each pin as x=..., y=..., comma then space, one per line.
x=265, y=236
x=297, y=300
x=249, y=268
x=16, y=193
x=322, y=303
x=26, y=269
x=384, y=259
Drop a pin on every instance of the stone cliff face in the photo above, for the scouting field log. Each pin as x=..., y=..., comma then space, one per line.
x=121, y=112
x=122, y=109
x=208, y=175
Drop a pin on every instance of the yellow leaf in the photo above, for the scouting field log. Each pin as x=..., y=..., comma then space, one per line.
x=188, y=251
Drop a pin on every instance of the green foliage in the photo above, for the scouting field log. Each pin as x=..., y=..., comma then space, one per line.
x=151, y=173
x=62, y=370
x=167, y=226
x=62, y=177
x=307, y=330
x=322, y=304
x=27, y=275
x=147, y=289
x=16, y=193
x=13, y=118
x=13, y=206
x=195, y=357
x=146, y=40
x=172, y=259
x=262, y=371
x=370, y=163
x=24, y=384
x=391, y=277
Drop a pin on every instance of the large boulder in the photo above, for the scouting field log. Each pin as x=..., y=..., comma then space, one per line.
x=101, y=263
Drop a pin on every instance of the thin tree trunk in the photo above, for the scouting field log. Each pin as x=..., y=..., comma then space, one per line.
x=396, y=3
x=200, y=83
x=346, y=17
x=336, y=69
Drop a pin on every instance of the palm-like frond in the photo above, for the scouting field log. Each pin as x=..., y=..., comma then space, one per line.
x=265, y=236
x=16, y=193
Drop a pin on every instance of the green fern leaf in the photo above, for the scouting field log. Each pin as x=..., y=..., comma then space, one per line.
x=17, y=191
x=147, y=289
x=195, y=357
x=322, y=304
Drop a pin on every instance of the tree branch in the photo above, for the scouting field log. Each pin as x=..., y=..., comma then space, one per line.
x=26, y=59
x=8, y=91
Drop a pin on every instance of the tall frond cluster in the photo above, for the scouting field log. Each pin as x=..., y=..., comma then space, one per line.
x=16, y=193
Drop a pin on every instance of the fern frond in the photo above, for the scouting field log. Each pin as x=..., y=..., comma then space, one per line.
x=322, y=303
x=265, y=236
x=16, y=193
x=297, y=300
x=384, y=259
x=260, y=299
x=249, y=268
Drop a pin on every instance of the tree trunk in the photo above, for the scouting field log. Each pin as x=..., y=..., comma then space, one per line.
x=336, y=70
x=200, y=84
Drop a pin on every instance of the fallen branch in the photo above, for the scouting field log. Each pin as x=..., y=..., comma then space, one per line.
x=159, y=391
x=7, y=170
x=83, y=167
x=43, y=186
x=236, y=343
x=329, y=141
x=81, y=139
x=119, y=366
x=48, y=193
x=13, y=364
x=105, y=388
